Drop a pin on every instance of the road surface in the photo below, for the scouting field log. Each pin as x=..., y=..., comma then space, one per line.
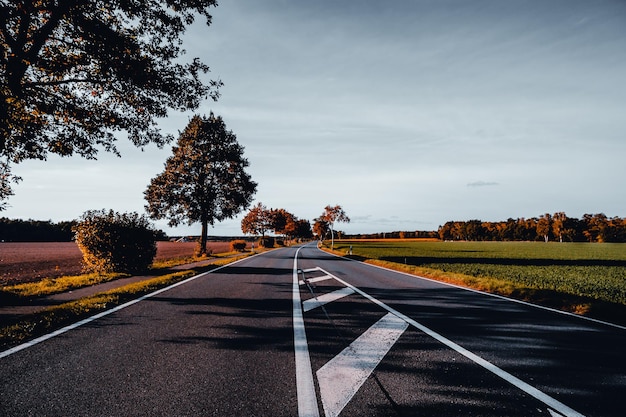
x=318, y=335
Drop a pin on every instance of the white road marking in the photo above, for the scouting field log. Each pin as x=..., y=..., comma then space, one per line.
x=513, y=300
x=342, y=376
x=319, y=301
x=319, y=279
x=104, y=313
x=527, y=388
x=307, y=399
x=314, y=280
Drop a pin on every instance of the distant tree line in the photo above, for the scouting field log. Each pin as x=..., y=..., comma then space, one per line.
x=548, y=227
x=418, y=234
x=17, y=230
x=35, y=230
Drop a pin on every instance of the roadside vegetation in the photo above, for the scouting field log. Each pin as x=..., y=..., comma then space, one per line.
x=54, y=317
x=585, y=278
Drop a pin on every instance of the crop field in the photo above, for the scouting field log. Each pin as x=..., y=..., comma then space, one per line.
x=592, y=270
x=29, y=262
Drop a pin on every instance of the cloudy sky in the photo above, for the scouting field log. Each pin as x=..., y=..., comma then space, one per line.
x=406, y=113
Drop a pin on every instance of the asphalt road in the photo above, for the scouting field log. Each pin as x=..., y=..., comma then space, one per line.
x=324, y=336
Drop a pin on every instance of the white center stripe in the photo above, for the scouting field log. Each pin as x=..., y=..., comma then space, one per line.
x=343, y=375
x=319, y=301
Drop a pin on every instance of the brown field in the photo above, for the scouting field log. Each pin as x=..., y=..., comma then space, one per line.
x=28, y=262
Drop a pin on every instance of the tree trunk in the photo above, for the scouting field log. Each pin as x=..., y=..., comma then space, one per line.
x=203, y=239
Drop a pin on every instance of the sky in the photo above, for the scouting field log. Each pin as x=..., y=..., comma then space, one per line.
x=408, y=114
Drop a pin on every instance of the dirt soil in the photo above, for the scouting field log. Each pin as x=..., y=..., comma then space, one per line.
x=29, y=262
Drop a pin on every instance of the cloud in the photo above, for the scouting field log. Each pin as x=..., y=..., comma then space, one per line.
x=482, y=184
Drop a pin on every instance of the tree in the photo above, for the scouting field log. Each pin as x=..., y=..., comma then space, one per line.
x=257, y=221
x=6, y=178
x=72, y=73
x=320, y=228
x=283, y=222
x=204, y=180
x=558, y=225
x=544, y=226
x=595, y=227
x=302, y=229
x=331, y=215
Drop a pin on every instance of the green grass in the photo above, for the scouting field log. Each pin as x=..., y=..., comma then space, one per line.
x=590, y=270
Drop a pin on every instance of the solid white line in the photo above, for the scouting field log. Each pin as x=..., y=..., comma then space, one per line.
x=307, y=399
x=342, y=376
x=105, y=313
x=529, y=389
x=323, y=299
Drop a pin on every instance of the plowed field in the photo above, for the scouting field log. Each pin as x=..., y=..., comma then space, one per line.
x=27, y=262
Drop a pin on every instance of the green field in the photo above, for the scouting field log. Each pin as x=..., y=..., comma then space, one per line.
x=591, y=270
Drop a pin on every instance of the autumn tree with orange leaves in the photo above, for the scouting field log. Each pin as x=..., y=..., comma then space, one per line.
x=331, y=215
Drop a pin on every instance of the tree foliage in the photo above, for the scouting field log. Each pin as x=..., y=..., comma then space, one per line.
x=331, y=215
x=6, y=178
x=205, y=180
x=320, y=228
x=261, y=220
x=257, y=221
x=591, y=228
x=73, y=73
x=114, y=242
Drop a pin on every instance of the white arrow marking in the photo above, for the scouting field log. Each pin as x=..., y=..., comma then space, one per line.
x=529, y=389
x=343, y=375
x=319, y=301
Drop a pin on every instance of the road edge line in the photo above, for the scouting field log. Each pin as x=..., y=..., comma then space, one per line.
x=305, y=387
x=554, y=310
x=510, y=378
x=80, y=323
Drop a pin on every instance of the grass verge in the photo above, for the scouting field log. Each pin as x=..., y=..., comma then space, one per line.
x=55, y=317
x=549, y=291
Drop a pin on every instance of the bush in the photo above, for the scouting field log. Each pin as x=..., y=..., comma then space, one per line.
x=114, y=242
x=267, y=242
x=238, y=245
x=198, y=252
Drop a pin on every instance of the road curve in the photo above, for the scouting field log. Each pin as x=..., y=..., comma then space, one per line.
x=367, y=342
